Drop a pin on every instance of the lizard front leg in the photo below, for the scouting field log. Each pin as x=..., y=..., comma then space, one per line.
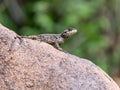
x=58, y=46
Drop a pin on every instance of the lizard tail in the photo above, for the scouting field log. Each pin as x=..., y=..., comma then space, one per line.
x=30, y=37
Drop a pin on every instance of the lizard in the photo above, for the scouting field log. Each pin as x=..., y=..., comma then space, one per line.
x=53, y=39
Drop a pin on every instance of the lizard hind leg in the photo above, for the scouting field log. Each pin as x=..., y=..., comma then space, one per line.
x=33, y=37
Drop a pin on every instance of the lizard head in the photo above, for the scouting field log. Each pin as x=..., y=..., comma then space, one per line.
x=68, y=32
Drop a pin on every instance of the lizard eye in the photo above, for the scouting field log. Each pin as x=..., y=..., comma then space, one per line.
x=70, y=29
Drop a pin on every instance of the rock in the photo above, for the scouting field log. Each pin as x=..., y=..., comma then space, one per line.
x=32, y=65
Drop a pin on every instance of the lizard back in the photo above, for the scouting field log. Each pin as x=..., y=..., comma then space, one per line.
x=51, y=38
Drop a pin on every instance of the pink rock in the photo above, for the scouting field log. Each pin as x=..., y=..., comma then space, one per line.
x=32, y=65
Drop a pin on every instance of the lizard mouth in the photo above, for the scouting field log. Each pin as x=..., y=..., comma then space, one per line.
x=72, y=31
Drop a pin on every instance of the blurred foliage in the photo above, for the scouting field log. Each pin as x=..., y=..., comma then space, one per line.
x=97, y=37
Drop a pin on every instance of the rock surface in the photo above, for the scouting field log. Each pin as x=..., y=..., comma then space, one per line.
x=32, y=65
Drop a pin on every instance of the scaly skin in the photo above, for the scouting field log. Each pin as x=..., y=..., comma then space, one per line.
x=53, y=39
